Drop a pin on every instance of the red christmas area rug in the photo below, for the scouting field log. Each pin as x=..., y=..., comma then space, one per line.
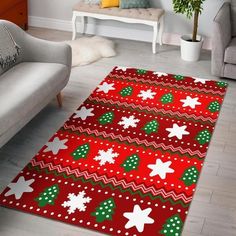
x=128, y=160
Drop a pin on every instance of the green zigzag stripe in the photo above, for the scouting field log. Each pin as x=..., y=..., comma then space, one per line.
x=55, y=173
x=163, y=86
x=150, y=112
x=134, y=144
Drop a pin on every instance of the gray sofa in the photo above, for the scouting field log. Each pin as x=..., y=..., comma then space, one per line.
x=39, y=74
x=224, y=42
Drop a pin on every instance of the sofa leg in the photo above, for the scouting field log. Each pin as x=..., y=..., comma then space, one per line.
x=59, y=99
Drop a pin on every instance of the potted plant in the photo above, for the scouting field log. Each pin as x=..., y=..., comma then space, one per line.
x=190, y=44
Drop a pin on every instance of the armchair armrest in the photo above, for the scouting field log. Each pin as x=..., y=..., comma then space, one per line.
x=220, y=39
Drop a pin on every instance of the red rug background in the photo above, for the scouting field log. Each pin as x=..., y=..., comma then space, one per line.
x=164, y=200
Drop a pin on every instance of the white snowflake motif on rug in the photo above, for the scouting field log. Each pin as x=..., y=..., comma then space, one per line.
x=83, y=113
x=160, y=168
x=121, y=68
x=160, y=74
x=177, y=131
x=19, y=187
x=76, y=202
x=127, y=122
x=148, y=94
x=199, y=80
x=105, y=87
x=191, y=102
x=106, y=156
x=56, y=145
x=138, y=218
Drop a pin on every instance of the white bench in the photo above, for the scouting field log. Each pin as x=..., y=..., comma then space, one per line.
x=151, y=16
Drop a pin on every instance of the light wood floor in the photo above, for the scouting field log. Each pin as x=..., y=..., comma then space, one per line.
x=213, y=210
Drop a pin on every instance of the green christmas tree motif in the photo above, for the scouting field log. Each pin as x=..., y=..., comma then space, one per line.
x=203, y=137
x=214, y=106
x=167, y=98
x=173, y=226
x=48, y=196
x=179, y=77
x=131, y=163
x=141, y=71
x=222, y=84
x=151, y=127
x=105, y=210
x=106, y=118
x=81, y=152
x=190, y=176
x=127, y=91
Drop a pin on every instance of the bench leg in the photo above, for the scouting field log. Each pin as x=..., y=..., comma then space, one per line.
x=161, y=30
x=82, y=24
x=154, y=41
x=74, y=26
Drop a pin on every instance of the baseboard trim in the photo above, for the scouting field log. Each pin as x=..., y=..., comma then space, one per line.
x=110, y=31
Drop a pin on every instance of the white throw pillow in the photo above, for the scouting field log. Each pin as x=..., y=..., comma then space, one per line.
x=92, y=2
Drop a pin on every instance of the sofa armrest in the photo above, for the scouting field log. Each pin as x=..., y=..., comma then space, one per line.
x=220, y=39
x=38, y=50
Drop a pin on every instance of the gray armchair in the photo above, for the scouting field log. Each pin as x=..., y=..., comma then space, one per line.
x=41, y=71
x=224, y=42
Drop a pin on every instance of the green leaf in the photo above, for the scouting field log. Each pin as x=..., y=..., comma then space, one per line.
x=188, y=7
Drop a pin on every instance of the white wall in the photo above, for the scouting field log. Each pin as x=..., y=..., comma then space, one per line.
x=57, y=9
x=61, y=10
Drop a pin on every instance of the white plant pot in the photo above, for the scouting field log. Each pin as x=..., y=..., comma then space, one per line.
x=190, y=51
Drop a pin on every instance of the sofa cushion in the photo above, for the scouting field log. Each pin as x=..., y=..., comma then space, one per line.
x=233, y=17
x=230, y=52
x=25, y=86
x=230, y=71
x=151, y=14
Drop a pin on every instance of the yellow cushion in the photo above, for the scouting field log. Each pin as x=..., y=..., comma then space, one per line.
x=109, y=3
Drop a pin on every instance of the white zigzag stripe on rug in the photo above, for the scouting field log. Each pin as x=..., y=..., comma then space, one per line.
x=136, y=140
x=177, y=113
x=112, y=180
x=167, y=84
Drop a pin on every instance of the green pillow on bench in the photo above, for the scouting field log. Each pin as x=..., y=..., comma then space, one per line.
x=126, y=4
